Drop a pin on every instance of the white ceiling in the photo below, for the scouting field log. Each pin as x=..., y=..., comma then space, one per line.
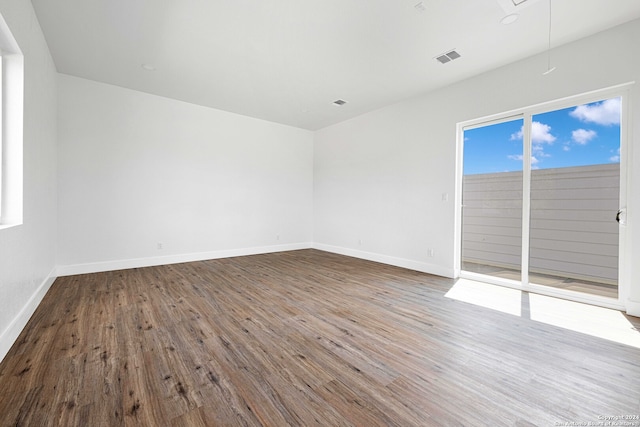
x=287, y=60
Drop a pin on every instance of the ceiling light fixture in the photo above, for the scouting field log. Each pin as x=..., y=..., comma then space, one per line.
x=515, y=6
x=339, y=102
x=549, y=68
x=509, y=19
x=148, y=67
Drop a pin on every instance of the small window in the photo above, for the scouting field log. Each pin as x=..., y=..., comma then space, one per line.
x=11, y=106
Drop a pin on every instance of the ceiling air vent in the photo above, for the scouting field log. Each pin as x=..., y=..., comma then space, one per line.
x=447, y=57
x=340, y=102
x=420, y=7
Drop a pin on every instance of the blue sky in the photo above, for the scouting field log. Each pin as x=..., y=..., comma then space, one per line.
x=587, y=134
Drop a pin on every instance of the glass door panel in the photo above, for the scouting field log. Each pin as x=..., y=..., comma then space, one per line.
x=575, y=190
x=492, y=200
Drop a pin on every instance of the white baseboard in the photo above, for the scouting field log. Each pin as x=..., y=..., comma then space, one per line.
x=10, y=335
x=386, y=259
x=97, y=267
x=633, y=308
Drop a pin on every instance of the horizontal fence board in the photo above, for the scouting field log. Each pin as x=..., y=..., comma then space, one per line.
x=563, y=269
x=572, y=257
x=480, y=185
x=569, y=204
x=511, y=248
x=596, y=194
x=575, y=236
x=508, y=207
x=494, y=239
x=577, y=247
x=610, y=169
x=599, y=215
x=472, y=212
x=495, y=221
x=500, y=231
x=597, y=227
x=572, y=183
x=494, y=195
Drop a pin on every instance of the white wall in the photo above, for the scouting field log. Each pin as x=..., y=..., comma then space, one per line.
x=28, y=251
x=136, y=170
x=380, y=177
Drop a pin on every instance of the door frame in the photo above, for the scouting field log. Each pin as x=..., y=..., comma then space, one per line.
x=526, y=113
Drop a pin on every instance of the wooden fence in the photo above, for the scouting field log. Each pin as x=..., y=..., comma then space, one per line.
x=573, y=230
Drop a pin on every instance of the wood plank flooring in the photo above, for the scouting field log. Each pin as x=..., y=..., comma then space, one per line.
x=302, y=338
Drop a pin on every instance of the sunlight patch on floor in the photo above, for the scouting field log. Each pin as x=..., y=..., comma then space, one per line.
x=498, y=298
x=598, y=322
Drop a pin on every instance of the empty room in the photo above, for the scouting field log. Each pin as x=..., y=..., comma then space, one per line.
x=335, y=213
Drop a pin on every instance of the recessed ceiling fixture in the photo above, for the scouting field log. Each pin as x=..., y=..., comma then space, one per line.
x=512, y=6
x=447, y=57
x=148, y=67
x=509, y=19
x=339, y=102
x=549, y=67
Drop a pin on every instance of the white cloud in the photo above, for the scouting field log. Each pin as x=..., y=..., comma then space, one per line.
x=566, y=148
x=583, y=136
x=616, y=158
x=604, y=113
x=519, y=158
x=538, y=150
x=540, y=133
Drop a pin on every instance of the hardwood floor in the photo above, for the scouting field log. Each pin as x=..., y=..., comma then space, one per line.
x=300, y=338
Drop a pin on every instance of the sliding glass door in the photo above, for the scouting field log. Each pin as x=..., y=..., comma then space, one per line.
x=492, y=200
x=541, y=200
x=575, y=197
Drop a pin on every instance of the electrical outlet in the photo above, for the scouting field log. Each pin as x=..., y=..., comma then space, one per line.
x=431, y=253
x=160, y=246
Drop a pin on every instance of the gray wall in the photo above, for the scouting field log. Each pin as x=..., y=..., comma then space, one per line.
x=573, y=230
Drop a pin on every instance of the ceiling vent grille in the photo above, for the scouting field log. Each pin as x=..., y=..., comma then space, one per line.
x=447, y=57
x=420, y=7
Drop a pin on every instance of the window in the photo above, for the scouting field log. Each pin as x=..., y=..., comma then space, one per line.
x=11, y=106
